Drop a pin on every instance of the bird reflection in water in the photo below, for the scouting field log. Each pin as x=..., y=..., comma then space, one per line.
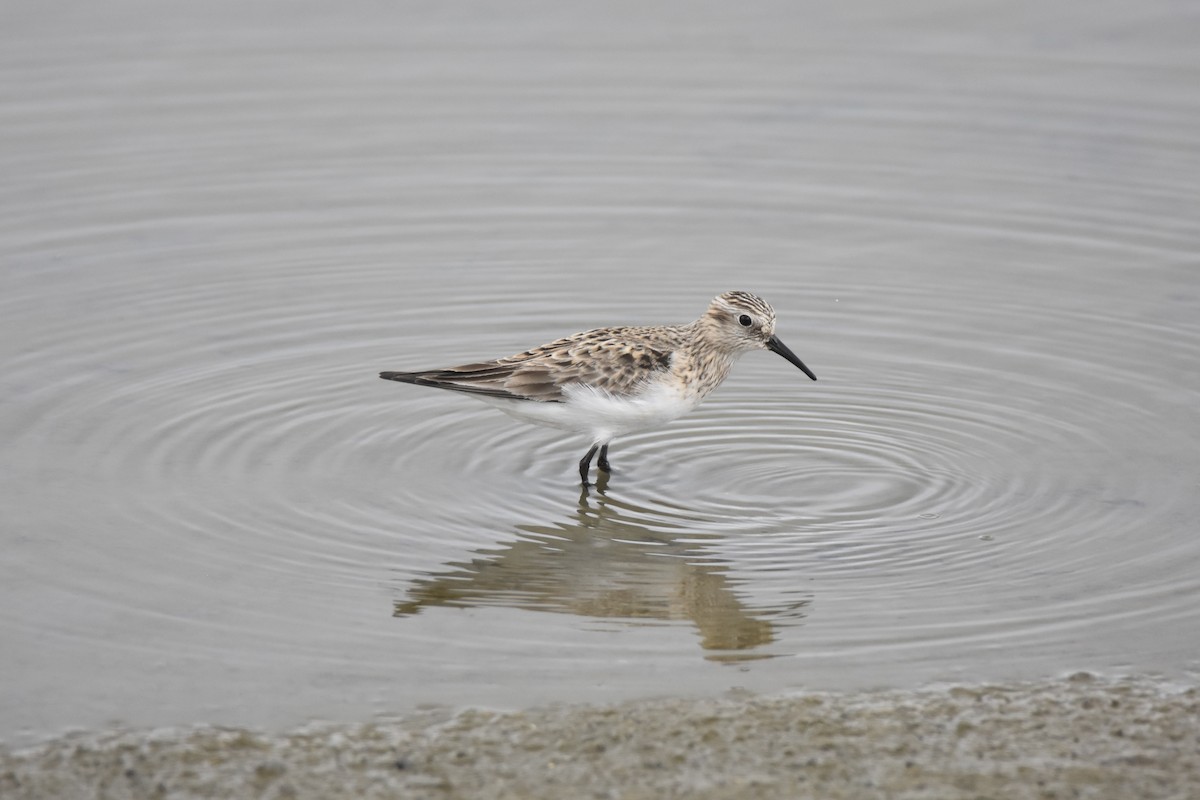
x=601, y=563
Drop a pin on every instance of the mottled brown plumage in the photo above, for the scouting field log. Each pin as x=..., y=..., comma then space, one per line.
x=611, y=381
x=614, y=360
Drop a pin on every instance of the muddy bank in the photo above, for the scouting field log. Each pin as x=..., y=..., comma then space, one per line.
x=1078, y=737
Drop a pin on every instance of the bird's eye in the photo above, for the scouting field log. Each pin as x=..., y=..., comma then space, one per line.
x=745, y=320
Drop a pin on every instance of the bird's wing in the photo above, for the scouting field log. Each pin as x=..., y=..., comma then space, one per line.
x=614, y=360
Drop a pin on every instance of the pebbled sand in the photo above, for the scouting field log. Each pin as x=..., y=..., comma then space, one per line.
x=1079, y=737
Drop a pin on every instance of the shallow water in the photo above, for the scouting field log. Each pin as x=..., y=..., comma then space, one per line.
x=979, y=230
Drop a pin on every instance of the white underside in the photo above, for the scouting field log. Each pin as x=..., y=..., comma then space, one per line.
x=600, y=415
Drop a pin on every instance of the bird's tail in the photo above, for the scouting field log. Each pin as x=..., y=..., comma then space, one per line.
x=403, y=377
x=485, y=378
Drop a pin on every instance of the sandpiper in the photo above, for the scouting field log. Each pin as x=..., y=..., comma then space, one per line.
x=608, y=382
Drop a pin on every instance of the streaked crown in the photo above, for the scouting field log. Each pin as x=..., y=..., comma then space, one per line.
x=744, y=301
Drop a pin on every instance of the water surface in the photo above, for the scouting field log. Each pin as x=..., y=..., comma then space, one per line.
x=977, y=225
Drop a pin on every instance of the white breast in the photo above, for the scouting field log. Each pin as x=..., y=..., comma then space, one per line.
x=601, y=415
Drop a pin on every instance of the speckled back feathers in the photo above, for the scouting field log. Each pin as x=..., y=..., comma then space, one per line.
x=620, y=361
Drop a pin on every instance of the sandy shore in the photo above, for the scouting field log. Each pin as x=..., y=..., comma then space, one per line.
x=1078, y=737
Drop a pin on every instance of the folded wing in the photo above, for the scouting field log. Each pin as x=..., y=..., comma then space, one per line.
x=604, y=360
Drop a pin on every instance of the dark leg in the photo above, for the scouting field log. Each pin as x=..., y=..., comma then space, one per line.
x=603, y=462
x=586, y=462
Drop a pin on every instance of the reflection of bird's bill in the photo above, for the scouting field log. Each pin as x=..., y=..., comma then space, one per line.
x=776, y=346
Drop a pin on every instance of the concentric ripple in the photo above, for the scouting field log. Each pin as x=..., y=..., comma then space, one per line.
x=219, y=229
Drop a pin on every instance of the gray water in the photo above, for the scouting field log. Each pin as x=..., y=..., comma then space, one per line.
x=978, y=223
